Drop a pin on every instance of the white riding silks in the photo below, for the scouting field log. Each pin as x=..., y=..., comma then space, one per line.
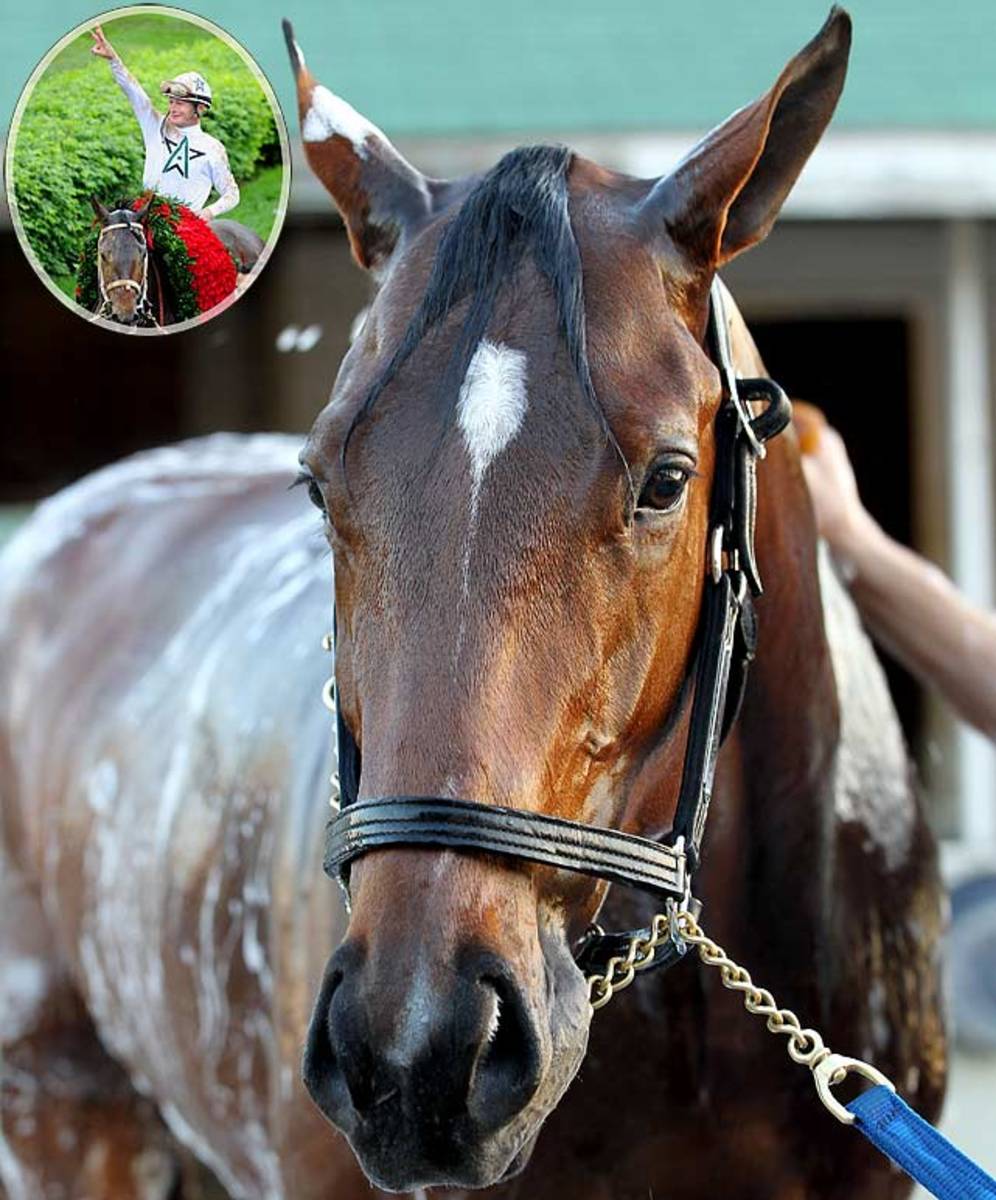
x=182, y=163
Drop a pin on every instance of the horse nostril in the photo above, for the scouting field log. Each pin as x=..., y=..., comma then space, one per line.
x=322, y=1070
x=507, y=1072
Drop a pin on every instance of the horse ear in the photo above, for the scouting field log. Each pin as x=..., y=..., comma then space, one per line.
x=723, y=197
x=143, y=212
x=380, y=195
x=102, y=212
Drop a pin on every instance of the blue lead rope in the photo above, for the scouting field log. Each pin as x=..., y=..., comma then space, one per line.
x=886, y=1121
x=923, y=1153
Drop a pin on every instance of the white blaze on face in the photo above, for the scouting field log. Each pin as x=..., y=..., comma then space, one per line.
x=329, y=114
x=491, y=406
x=490, y=409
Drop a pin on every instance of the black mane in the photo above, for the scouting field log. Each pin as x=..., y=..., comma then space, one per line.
x=519, y=206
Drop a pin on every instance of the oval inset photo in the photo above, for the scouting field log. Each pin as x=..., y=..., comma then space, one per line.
x=147, y=170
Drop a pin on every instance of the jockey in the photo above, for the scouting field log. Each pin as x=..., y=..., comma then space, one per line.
x=181, y=160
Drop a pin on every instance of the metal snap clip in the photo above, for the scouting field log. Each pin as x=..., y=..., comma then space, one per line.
x=834, y=1069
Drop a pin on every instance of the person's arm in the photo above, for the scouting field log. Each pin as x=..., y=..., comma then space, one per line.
x=224, y=185
x=137, y=97
x=907, y=603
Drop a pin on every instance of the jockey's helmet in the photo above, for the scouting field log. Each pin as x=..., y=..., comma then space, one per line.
x=191, y=85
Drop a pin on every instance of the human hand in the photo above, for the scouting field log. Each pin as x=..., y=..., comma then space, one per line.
x=840, y=516
x=101, y=47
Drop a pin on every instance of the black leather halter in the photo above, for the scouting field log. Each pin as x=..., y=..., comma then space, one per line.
x=726, y=647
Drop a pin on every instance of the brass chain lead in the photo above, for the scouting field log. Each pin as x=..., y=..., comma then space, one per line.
x=805, y=1046
x=621, y=970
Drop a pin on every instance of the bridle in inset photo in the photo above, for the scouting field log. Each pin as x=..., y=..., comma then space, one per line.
x=143, y=308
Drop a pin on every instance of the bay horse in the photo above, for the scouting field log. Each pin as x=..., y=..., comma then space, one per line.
x=514, y=474
x=130, y=279
x=129, y=282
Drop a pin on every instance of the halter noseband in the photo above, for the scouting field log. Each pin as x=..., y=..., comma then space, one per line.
x=142, y=306
x=727, y=641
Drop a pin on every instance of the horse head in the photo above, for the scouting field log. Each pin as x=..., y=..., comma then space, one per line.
x=122, y=261
x=515, y=469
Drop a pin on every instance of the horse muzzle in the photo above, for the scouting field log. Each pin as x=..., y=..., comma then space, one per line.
x=438, y=1078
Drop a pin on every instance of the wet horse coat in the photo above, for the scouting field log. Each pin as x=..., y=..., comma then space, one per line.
x=162, y=821
x=164, y=760
x=180, y=797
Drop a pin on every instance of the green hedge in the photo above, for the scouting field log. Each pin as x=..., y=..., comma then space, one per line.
x=78, y=137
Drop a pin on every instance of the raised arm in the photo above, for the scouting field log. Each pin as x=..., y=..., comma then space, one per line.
x=907, y=603
x=140, y=103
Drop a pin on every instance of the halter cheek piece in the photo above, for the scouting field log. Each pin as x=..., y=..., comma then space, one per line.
x=142, y=306
x=727, y=640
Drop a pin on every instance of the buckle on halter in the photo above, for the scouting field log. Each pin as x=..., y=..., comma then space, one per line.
x=721, y=559
x=777, y=410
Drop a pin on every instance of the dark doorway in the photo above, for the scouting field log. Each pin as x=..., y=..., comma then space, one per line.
x=76, y=396
x=857, y=371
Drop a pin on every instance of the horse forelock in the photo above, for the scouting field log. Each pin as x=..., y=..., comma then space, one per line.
x=121, y=212
x=518, y=210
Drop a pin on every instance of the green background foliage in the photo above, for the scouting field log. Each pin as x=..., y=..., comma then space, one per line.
x=78, y=136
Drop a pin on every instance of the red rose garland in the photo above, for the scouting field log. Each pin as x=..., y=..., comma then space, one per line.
x=212, y=271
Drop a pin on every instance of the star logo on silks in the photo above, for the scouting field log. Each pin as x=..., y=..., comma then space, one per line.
x=180, y=154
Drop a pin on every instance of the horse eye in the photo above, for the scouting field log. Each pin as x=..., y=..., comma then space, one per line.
x=314, y=491
x=664, y=488
x=315, y=494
